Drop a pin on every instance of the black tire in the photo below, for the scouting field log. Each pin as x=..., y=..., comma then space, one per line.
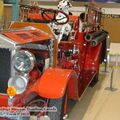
x=59, y=105
x=94, y=81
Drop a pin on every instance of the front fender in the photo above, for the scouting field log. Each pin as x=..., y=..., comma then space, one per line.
x=53, y=82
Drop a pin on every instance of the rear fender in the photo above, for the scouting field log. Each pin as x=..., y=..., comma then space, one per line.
x=53, y=82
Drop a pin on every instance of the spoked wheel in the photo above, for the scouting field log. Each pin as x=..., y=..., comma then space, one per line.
x=59, y=104
x=39, y=104
x=55, y=108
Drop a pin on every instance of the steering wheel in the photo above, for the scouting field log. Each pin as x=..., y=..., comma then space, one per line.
x=57, y=16
x=48, y=15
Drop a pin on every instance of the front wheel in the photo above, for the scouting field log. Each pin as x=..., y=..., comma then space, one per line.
x=59, y=105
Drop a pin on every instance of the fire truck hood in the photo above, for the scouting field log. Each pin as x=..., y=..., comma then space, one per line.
x=16, y=37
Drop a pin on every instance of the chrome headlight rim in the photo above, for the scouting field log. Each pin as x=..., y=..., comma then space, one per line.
x=15, y=82
x=29, y=55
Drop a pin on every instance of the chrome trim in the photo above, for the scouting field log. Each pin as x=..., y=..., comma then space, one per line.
x=13, y=80
x=6, y=42
x=31, y=57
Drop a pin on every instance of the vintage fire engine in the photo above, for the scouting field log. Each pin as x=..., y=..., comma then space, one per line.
x=47, y=60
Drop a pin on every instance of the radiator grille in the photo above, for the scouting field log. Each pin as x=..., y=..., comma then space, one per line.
x=5, y=68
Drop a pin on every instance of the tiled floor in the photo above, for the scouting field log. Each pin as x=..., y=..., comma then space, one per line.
x=98, y=103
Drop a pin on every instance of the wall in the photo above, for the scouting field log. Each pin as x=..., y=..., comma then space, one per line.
x=7, y=15
x=77, y=10
x=1, y=13
x=112, y=25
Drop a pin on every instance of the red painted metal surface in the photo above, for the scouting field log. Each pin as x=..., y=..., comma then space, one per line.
x=4, y=118
x=55, y=81
x=93, y=56
x=27, y=36
x=85, y=79
x=3, y=100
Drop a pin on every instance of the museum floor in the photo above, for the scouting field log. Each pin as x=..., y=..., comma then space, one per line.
x=99, y=103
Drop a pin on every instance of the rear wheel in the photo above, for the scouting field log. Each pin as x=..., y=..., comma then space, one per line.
x=94, y=81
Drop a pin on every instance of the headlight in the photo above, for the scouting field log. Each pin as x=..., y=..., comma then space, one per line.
x=19, y=83
x=23, y=61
